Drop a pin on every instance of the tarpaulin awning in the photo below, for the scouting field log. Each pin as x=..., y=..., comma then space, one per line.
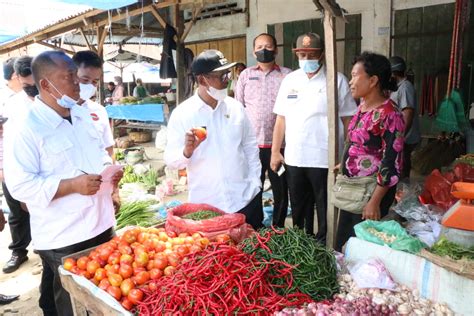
x=139, y=112
x=101, y=4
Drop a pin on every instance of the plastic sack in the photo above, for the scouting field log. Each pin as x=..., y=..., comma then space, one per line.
x=372, y=274
x=402, y=242
x=409, y=206
x=232, y=224
x=426, y=232
x=438, y=190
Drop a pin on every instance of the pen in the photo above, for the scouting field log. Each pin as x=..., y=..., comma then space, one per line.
x=83, y=171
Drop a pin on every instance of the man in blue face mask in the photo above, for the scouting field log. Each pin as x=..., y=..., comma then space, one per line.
x=301, y=108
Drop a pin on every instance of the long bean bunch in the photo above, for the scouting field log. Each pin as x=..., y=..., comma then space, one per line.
x=315, y=271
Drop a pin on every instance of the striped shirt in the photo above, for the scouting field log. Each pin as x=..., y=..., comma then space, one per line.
x=257, y=91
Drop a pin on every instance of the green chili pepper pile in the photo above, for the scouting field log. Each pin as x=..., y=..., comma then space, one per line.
x=444, y=247
x=201, y=215
x=315, y=271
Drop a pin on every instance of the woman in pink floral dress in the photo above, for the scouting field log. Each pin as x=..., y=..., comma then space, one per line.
x=375, y=140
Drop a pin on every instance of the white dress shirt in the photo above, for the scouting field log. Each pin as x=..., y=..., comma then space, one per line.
x=303, y=103
x=101, y=121
x=224, y=170
x=45, y=150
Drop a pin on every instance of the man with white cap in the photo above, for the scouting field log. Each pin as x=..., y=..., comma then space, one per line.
x=222, y=162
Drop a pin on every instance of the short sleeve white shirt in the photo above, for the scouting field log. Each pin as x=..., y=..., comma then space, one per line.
x=303, y=103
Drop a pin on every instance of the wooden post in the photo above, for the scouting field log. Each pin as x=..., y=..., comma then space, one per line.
x=333, y=118
x=180, y=68
x=101, y=32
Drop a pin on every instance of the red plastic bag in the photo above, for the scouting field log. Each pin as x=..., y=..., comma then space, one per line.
x=232, y=224
x=437, y=189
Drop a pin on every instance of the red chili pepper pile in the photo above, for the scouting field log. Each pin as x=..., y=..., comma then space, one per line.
x=222, y=280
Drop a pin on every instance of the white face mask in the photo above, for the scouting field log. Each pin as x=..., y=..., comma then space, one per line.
x=309, y=65
x=87, y=90
x=217, y=94
x=64, y=101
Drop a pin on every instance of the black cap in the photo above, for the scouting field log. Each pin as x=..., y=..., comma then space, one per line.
x=209, y=61
x=398, y=64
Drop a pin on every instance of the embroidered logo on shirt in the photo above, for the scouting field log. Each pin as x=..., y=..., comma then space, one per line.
x=95, y=117
x=292, y=94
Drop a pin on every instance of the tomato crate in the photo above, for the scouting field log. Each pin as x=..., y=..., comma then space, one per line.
x=86, y=295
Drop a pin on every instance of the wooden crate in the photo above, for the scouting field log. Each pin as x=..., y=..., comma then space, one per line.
x=87, y=295
x=464, y=268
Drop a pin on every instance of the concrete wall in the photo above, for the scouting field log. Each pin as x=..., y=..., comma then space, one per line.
x=375, y=14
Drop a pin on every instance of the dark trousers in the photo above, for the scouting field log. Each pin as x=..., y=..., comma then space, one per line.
x=279, y=188
x=347, y=220
x=254, y=212
x=54, y=299
x=308, y=186
x=407, y=150
x=19, y=221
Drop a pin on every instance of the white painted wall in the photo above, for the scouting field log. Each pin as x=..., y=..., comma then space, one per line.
x=375, y=20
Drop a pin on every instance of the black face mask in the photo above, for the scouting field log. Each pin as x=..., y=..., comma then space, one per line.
x=31, y=91
x=265, y=55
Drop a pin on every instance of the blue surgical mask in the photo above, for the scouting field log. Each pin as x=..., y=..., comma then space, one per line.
x=64, y=101
x=309, y=65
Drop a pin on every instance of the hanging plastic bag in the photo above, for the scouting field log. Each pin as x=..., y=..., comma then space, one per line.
x=388, y=233
x=372, y=274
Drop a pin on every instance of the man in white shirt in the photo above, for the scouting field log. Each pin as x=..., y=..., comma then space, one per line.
x=89, y=71
x=53, y=167
x=224, y=168
x=16, y=110
x=301, y=108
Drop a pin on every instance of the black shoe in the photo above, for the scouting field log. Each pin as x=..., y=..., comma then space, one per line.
x=7, y=299
x=14, y=263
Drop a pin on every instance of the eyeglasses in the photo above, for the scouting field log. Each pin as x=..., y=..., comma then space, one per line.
x=222, y=77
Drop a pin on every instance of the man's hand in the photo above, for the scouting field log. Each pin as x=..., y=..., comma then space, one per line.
x=191, y=142
x=117, y=177
x=276, y=161
x=87, y=184
x=371, y=211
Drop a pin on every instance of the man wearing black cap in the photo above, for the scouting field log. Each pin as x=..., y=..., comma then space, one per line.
x=301, y=108
x=222, y=163
x=405, y=98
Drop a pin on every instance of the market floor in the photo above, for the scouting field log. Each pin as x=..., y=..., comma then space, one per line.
x=25, y=281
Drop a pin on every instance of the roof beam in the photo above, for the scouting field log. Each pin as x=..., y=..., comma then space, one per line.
x=196, y=12
x=92, y=48
x=158, y=17
x=67, y=51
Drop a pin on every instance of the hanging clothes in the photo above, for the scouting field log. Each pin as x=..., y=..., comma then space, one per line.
x=167, y=68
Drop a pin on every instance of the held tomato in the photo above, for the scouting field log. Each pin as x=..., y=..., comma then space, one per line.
x=126, y=286
x=115, y=292
x=69, y=263
x=104, y=284
x=126, y=271
x=142, y=277
x=200, y=133
x=92, y=266
x=82, y=262
x=135, y=296
x=115, y=279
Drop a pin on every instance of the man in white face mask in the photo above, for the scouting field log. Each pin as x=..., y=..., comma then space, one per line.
x=210, y=135
x=301, y=108
x=89, y=72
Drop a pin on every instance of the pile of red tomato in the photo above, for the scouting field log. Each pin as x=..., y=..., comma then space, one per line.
x=132, y=261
